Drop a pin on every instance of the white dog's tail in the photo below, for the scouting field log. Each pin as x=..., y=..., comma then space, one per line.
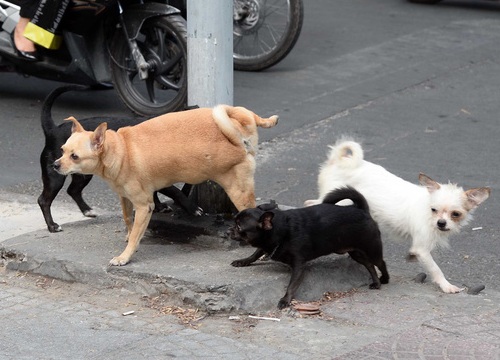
x=345, y=153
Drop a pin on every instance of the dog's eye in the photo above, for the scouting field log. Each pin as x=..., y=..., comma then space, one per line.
x=455, y=214
x=433, y=210
x=74, y=157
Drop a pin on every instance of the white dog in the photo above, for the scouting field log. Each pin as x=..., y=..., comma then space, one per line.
x=426, y=214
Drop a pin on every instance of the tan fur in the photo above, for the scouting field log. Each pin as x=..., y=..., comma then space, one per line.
x=190, y=146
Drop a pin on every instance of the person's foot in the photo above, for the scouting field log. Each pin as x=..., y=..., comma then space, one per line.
x=24, y=47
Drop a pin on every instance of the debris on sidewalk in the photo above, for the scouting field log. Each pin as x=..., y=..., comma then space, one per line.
x=263, y=318
x=307, y=308
x=335, y=295
x=187, y=316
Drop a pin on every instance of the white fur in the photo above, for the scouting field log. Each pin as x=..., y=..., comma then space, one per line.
x=402, y=209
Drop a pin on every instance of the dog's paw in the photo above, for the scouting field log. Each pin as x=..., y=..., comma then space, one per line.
x=54, y=228
x=450, y=289
x=162, y=208
x=198, y=211
x=90, y=213
x=240, y=263
x=420, y=278
x=118, y=261
x=475, y=289
x=283, y=303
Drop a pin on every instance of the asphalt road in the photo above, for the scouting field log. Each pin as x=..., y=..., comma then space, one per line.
x=418, y=84
x=344, y=48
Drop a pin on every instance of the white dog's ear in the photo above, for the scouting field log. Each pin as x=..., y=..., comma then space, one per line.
x=77, y=127
x=430, y=184
x=98, y=136
x=477, y=196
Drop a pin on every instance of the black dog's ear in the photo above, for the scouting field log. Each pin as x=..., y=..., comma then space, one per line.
x=270, y=206
x=265, y=221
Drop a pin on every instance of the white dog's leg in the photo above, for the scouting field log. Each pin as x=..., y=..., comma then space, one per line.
x=437, y=275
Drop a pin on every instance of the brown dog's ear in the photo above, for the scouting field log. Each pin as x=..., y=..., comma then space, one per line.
x=77, y=127
x=265, y=221
x=98, y=136
x=430, y=184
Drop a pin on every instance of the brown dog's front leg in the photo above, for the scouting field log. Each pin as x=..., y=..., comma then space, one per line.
x=247, y=261
x=127, y=210
x=141, y=221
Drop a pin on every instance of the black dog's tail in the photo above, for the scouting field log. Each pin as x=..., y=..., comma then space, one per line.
x=48, y=123
x=347, y=193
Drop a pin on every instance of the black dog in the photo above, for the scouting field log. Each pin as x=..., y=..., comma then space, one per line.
x=56, y=136
x=299, y=235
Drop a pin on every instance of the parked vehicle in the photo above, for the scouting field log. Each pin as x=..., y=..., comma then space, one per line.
x=138, y=46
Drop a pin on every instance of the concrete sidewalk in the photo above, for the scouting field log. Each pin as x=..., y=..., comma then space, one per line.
x=186, y=256
x=188, y=260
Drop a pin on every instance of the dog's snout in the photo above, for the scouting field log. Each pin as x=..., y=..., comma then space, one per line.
x=441, y=223
x=56, y=165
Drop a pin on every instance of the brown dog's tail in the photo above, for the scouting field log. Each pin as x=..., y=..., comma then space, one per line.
x=248, y=120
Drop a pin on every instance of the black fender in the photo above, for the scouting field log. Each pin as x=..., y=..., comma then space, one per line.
x=134, y=15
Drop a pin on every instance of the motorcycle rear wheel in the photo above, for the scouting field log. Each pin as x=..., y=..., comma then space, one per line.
x=264, y=32
x=163, y=42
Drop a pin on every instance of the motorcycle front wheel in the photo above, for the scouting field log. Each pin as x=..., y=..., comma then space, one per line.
x=264, y=31
x=163, y=43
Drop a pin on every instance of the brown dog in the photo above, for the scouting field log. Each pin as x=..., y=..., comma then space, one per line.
x=191, y=146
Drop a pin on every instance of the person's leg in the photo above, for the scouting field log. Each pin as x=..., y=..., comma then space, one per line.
x=26, y=12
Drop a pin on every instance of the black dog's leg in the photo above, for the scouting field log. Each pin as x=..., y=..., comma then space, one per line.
x=186, y=189
x=182, y=200
x=363, y=260
x=78, y=183
x=384, y=279
x=52, y=184
x=159, y=206
x=251, y=259
x=295, y=280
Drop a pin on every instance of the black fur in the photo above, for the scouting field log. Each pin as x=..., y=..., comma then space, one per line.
x=56, y=136
x=299, y=235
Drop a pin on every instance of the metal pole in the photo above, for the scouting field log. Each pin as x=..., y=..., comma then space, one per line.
x=210, y=76
x=210, y=52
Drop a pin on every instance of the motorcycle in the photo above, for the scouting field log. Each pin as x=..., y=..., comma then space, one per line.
x=138, y=46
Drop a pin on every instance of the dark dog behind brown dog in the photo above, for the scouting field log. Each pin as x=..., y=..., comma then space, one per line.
x=56, y=136
x=299, y=235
